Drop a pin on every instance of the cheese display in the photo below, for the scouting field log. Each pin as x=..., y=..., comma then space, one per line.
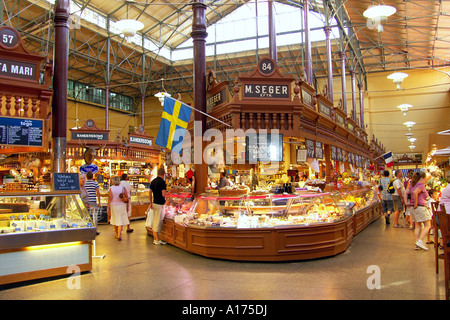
x=22, y=213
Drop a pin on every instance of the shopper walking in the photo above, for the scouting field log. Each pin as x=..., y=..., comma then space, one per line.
x=157, y=201
x=127, y=186
x=398, y=197
x=408, y=203
x=386, y=197
x=420, y=214
x=93, y=190
x=117, y=209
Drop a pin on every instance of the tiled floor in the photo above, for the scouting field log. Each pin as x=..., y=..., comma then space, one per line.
x=136, y=269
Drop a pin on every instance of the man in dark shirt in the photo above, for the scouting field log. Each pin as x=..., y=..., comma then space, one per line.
x=157, y=201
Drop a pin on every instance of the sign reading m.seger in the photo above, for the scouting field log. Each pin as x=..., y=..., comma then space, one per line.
x=266, y=91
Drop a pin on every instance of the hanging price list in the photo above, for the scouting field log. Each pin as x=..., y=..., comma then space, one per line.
x=20, y=132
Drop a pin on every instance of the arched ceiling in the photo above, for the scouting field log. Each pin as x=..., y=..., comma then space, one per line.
x=416, y=36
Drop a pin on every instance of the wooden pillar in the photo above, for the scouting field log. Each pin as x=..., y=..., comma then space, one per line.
x=199, y=35
x=60, y=77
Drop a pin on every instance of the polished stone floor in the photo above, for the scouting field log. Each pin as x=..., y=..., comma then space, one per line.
x=136, y=269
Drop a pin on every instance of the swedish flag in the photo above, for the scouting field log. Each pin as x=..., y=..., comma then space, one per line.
x=175, y=116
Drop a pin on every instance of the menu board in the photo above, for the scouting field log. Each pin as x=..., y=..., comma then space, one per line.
x=65, y=181
x=20, y=131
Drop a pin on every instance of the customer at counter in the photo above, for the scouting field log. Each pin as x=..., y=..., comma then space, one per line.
x=223, y=182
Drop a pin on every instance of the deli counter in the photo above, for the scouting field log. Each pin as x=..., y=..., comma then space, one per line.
x=43, y=235
x=268, y=227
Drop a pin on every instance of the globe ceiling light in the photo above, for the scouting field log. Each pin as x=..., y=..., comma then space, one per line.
x=409, y=124
x=398, y=78
x=129, y=27
x=404, y=108
x=377, y=15
x=161, y=95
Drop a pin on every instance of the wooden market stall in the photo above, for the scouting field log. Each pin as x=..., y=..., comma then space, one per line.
x=90, y=149
x=267, y=101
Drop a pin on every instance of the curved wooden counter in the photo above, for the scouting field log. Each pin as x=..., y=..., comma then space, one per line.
x=283, y=243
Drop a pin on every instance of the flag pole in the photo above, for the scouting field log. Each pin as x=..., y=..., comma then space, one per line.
x=382, y=155
x=204, y=113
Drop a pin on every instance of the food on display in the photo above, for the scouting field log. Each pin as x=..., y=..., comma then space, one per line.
x=268, y=210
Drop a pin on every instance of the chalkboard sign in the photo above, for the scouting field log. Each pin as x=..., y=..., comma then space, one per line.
x=20, y=131
x=66, y=181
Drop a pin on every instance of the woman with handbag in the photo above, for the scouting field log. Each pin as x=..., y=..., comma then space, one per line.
x=117, y=207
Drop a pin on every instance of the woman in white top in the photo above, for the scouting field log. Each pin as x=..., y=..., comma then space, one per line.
x=117, y=209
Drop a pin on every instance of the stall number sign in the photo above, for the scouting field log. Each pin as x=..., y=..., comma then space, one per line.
x=20, y=132
x=8, y=38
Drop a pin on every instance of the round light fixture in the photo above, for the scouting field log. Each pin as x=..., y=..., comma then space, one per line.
x=129, y=27
x=161, y=95
x=377, y=15
x=398, y=78
x=379, y=12
x=412, y=140
x=412, y=147
x=409, y=124
x=404, y=108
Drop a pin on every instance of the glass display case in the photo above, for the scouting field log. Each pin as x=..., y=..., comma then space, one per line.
x=263, y=211
x=40, y=212
x=42, y=234
x=361, y=199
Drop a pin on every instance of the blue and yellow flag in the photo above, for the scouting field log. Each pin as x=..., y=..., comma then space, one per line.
x=175, y=116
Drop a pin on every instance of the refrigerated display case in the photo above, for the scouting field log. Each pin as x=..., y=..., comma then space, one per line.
x=262, y=228
x=42, y=234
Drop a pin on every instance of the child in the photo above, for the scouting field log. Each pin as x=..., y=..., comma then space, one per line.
x=433, y=197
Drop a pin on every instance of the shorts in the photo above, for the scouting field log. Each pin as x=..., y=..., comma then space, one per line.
x=387, y=206
x=408, y=210
x=398, y=204
x=420, y=214
x=158, y=217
